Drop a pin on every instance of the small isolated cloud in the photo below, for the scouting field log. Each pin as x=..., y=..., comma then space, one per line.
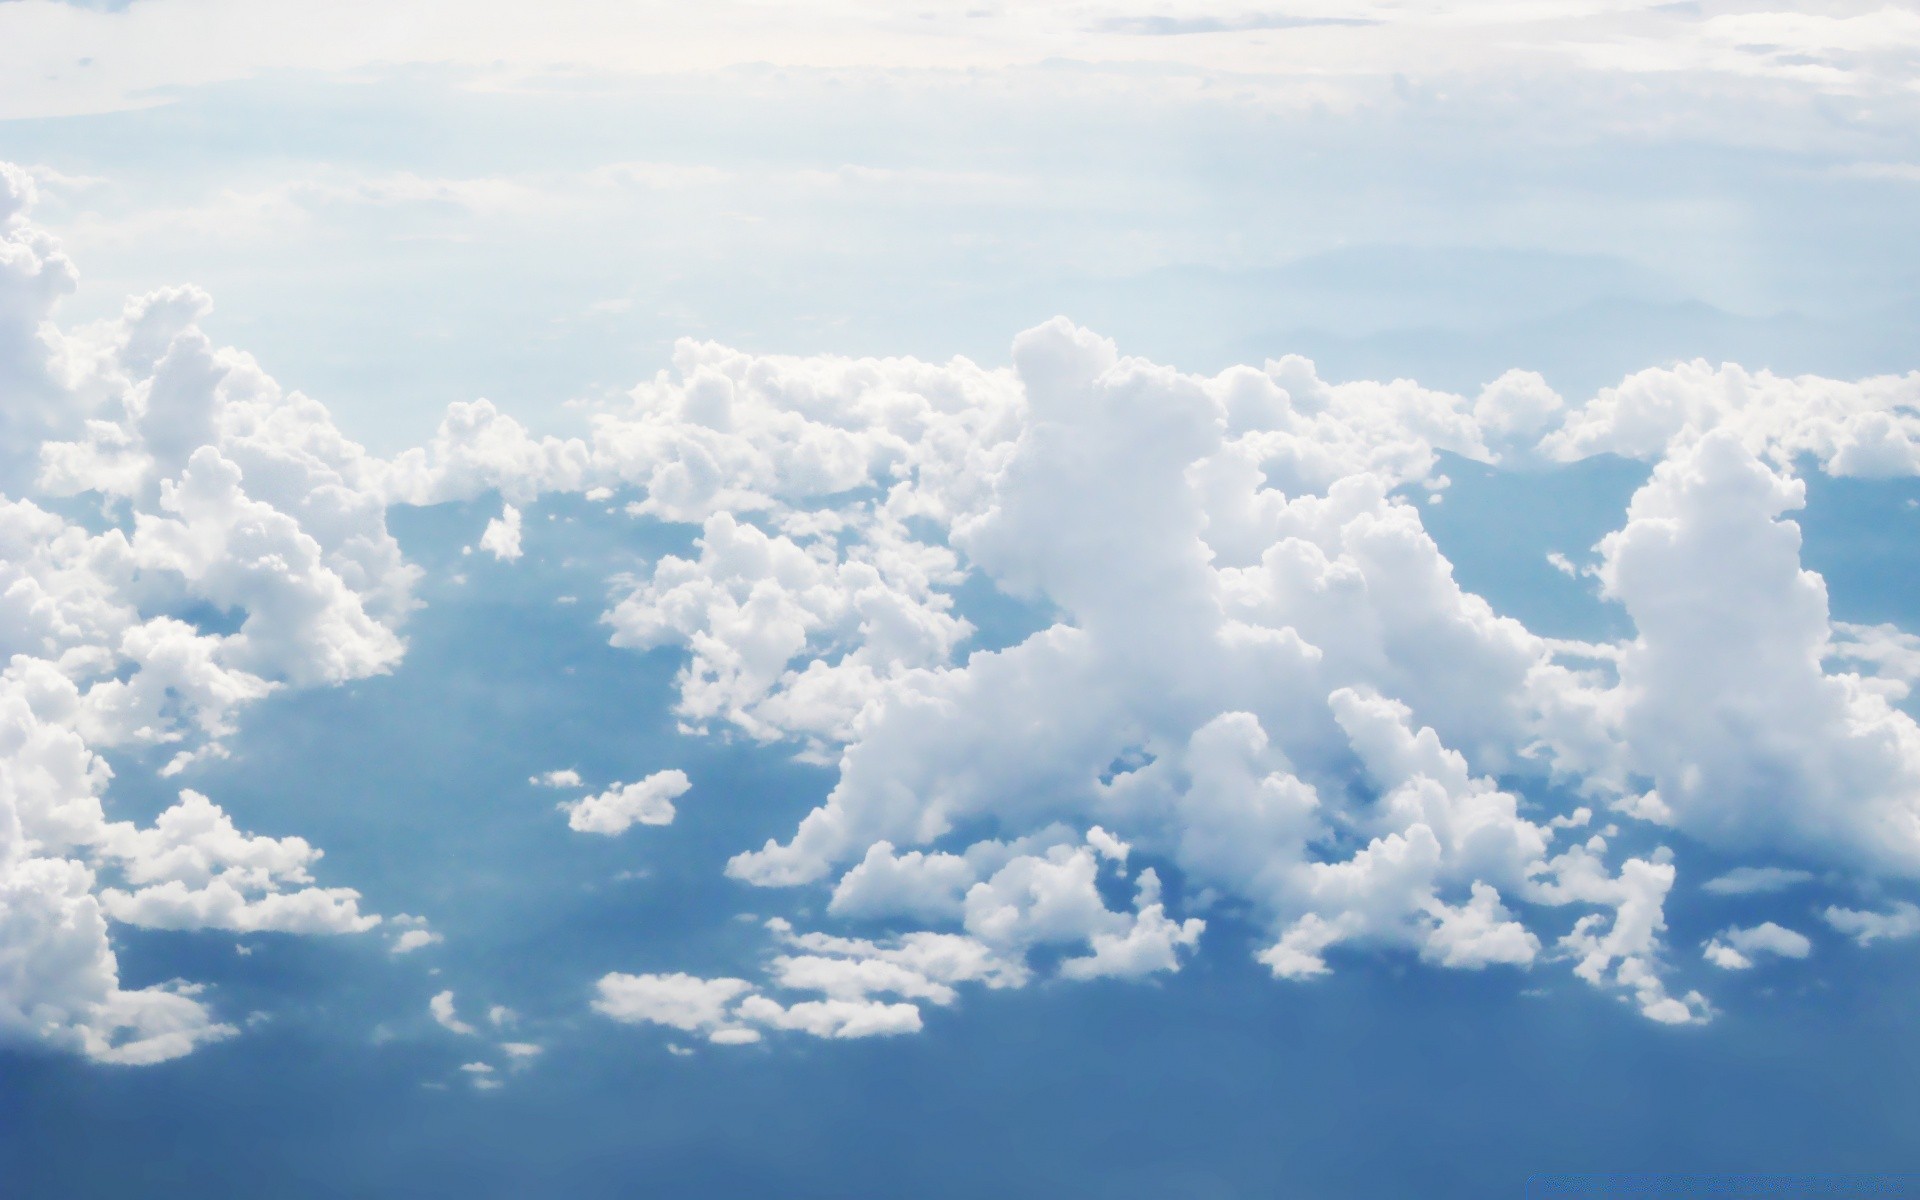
x=501, y=538
x=521, y=1051
x=1756, y=881
x=414, y=939
x=1737, y=949
x=620, y=807
x=441, y=1006
x=413, y=934
x=566, y=778
x=678, y=1001
x=1900, y=922
x=481, y=1075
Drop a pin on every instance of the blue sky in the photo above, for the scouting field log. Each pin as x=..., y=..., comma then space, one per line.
x=827, y=599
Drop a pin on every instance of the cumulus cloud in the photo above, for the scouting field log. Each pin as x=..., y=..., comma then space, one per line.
x=441, y=1007
x=1255, y=684
x=833, y=1018
x=411, y=933
x=1726, y=706
x=1260, y=671
x=1737, y=949
x=678, y=1001
x=1866, y=927
x=858, y=987
x=192, y=869
x=501, y=538
x=240, y=548
x=624, y=805
x=1869, y=428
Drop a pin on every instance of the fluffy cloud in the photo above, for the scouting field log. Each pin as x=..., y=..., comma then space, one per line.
x=1866, y=927
x=753, y=603
x=1736, y=949
x=1202, y=606
x=192, y=869
x=833, y=1018
x=410, y=933
x=1869, y=428
x=240, y=547
x=678, y=1001
x=1255, y=686
x=501, y=538
x=863, y=988
x=34, y=274
x=1261, y=672
x=1724, y=701
x=446, y=1016
x=620, y=807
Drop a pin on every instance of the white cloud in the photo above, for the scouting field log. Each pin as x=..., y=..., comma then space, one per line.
x=444, y=1014
x=753, y=603
x=848, y=974
x=1869, y=428
x=1754, y=881
x=921, y=965
x=1866, y=927
x=678, y=1001
x=1726, y=706
x=1151, y=944
x=68, y=869
x=1227, y=557
x=151, y=1025
x=192, y=869
x=914, y=884
x=501, y=538
x=833, y=1018
x=1887, y=658
x=1258, y=676
x=411, y=934
x=1736, y=949
x=481, y=1075
x=414, y=939
x=59, y=977
x=620, y=807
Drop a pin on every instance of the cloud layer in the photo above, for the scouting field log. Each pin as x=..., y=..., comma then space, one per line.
x=1256, y=691
x=1313, y=49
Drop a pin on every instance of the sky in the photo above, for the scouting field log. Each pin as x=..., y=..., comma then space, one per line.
x=1154, y=599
